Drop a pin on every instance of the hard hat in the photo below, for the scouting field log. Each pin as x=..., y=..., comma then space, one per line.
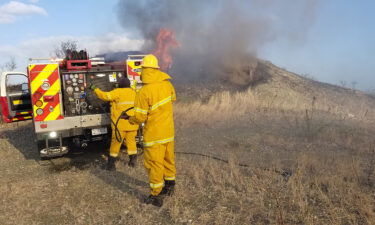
x=150, y=61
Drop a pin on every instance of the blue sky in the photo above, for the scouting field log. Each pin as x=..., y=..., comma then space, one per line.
x=34, y=28
x=75, y=18
x=338, y=46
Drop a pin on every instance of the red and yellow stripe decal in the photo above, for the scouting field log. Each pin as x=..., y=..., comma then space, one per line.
x=38, y=75
x=133, y=70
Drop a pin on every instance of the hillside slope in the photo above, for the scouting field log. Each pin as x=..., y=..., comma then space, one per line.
x=290, y=87
x=268, y=86
x=286, y=150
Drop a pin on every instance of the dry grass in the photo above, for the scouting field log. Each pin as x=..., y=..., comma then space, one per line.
x=279, y=97
x=309, y=161
x=332, y=177
x=325, y=136
x=331, y=159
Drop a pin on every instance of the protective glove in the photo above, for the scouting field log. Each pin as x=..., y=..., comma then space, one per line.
x=92, y=86
x=125, y=116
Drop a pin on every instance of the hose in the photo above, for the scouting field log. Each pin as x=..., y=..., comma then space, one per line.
x=115, y=125
x=117, y=132
x=284, y=173
x=211, y=157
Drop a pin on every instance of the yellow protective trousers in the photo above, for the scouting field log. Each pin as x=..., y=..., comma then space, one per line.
x=130, y=143
x=160, y=165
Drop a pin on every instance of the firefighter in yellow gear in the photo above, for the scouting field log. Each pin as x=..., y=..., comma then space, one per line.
x=121, y=99
x=153, y=106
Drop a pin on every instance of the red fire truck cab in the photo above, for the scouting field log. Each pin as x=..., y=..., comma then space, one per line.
x=15, y=102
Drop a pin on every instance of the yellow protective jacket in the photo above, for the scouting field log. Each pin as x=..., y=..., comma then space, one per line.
x=153, y=106
x=121, y=99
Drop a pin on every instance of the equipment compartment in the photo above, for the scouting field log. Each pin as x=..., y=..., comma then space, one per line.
x=77, y=96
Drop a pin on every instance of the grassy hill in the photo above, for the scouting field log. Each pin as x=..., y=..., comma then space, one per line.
x=281, y=150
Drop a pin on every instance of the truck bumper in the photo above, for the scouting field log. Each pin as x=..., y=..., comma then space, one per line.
x=71, y=126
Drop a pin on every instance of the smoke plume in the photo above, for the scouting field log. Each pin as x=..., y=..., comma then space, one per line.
x=217, y=37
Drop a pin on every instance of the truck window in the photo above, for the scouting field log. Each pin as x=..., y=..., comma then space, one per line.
x=16, y=83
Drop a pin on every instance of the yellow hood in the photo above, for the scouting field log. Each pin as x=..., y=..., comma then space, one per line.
x=150, y=75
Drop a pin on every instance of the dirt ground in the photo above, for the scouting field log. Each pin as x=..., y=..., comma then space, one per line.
x=293, y=171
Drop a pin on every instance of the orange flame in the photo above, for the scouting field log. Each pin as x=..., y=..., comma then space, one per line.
x=165, y=41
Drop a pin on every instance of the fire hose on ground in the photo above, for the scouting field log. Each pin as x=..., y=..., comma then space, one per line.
x=284, y=173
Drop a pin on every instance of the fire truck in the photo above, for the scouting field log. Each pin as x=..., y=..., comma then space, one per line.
x=55, y=94
x=15, y=101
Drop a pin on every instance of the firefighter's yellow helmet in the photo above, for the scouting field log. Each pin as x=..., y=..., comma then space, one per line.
x=150, y=61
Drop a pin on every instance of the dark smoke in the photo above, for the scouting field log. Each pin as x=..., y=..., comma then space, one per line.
x=218, y=37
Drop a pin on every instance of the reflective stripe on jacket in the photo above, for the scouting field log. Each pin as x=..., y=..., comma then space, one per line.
x=121, y=99
x=153, y=105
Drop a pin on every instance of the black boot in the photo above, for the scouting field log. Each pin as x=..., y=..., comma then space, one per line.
x=111, y=164
x=168, y=188
x=154, y=200
x=132, y=160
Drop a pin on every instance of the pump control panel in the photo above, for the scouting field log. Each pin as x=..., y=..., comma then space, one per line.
x=77, y=96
